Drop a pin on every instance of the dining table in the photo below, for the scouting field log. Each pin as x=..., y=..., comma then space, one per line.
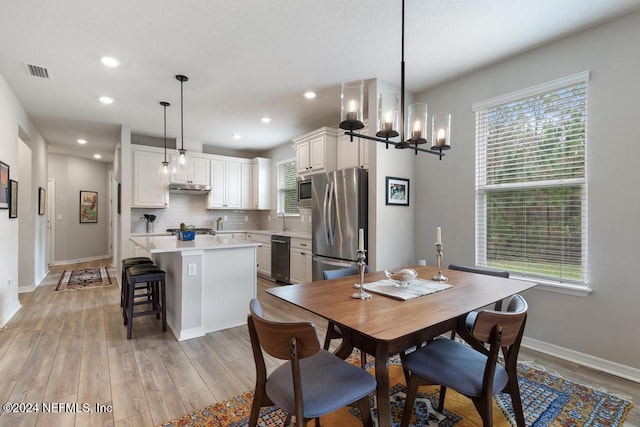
x=383, y=326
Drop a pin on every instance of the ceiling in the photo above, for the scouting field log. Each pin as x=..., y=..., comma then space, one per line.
x=249, y=58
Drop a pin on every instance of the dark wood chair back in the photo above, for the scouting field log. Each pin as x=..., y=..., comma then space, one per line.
x=276, y=337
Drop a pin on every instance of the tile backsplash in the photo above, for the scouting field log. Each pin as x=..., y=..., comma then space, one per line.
x=191, y=209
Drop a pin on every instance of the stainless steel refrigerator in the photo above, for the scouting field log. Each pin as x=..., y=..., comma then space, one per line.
x=339, y=210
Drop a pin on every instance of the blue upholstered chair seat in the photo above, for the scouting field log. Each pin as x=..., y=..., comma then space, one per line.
x=322, y=393
x=440, y=360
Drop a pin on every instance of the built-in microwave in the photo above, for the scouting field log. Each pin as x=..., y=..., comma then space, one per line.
x=304, y=193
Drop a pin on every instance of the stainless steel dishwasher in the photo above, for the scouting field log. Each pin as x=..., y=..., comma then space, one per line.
x=280, y=253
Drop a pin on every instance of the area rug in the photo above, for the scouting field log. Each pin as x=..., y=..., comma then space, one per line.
x=547, y=399
x=83, y=279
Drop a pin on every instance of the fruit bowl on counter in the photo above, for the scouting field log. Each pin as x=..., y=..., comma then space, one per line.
x=401, y=277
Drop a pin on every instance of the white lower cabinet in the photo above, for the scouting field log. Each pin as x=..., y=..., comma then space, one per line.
x=300, y=260
x=263, y=252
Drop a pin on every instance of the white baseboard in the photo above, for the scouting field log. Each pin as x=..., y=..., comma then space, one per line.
x=75, y=261
x=10, y=313
x=614, y=368
x=24, y=289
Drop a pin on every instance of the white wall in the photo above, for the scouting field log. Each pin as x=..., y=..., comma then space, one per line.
x=391, y=228
x=15, y=123
x=77, y=241
x=604, y=324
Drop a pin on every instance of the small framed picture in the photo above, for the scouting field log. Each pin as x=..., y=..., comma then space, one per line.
x=13, y=199
x=397, y=191
x=42, y=201
x=88, y=206
x=4, y=185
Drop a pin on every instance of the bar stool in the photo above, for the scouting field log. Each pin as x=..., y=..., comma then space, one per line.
x=126, y=263
x=155, y=294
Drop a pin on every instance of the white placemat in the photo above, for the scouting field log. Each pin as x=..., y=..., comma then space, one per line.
x=417, y=288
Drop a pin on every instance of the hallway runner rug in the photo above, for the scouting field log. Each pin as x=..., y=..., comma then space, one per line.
x=83, y=278
x=547, y=400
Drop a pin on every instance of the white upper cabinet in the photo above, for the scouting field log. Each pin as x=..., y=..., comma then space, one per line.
x=198, y=172
x=353, y=154
x=225, y=183
x=148, y=190
x=246, y=183
x=316, y=151
x=260, y=183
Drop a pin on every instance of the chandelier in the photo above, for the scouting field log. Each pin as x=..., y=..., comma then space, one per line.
x=391, y=117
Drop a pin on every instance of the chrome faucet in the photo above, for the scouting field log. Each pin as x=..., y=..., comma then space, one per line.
x=284, y=220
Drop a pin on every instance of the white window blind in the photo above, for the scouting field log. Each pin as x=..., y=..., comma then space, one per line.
x=287, y=190
x=531, y=181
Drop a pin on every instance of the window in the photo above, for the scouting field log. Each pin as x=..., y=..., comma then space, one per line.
x=531, y=181
x=287, y=191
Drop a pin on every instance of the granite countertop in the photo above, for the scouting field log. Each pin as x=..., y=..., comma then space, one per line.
x=168, y=243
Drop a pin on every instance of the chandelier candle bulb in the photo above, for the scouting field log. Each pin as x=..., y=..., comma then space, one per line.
x=417, y=131
x=439, y=235
x=440, y=139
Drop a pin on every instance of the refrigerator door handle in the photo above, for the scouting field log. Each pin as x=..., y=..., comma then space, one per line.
x=332, y=196
x=325, y=213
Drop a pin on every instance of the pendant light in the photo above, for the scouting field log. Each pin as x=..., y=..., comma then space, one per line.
x=391, y=118
x=164, y=168
x=183, y=161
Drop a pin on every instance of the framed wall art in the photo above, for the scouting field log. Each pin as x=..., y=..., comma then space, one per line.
x=397, y=191
x=13, y=199
x=88, y=206
x=4, y=185
x=42, y=201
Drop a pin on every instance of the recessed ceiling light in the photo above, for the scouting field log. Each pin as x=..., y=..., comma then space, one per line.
x=236, y=136
x=106, y=100
x=110, y=61
x=97, y=156
x=310, y=94
x=82, y=141
x=265, y=119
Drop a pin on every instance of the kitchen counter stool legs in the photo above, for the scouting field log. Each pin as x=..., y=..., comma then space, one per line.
x=126, y=263
x=155, y=295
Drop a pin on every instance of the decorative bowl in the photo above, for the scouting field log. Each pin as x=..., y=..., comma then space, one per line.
x=401, y=277
x=186, y=235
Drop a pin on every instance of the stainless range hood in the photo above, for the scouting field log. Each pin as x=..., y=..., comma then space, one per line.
x=189, y=188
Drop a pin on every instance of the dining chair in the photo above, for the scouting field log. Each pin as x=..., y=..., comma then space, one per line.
x=312, y=382
x=471, y=317
x=333, y=331
x=473, y=370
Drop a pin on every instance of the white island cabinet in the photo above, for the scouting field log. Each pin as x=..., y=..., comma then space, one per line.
x=210, y=281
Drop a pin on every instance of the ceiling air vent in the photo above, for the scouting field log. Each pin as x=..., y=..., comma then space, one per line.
x=38, y=71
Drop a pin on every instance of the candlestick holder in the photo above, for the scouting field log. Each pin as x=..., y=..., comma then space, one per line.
x=361, y=294
x=439, y=277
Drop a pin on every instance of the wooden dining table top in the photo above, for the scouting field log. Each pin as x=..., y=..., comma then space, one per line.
x=385, y=319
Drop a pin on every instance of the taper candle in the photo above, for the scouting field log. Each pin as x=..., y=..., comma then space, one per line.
x=439, y=235
x=361, y=239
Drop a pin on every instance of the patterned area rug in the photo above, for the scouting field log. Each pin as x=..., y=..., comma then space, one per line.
x=547, y=399
x=83, y=279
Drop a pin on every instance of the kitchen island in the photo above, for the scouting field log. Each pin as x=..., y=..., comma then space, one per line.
x=210, y=281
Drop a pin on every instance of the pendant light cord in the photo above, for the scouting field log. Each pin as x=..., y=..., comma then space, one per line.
x=182, y=115
x=165, y=132
x=402, y=124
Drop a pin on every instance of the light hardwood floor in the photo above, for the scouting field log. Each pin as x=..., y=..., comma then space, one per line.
x=71, y=347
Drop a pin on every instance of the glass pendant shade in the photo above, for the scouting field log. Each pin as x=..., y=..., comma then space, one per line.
x=351, y=112
x=441, y=132
x=417, y=123
x=388, y=115
x=165, y=173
